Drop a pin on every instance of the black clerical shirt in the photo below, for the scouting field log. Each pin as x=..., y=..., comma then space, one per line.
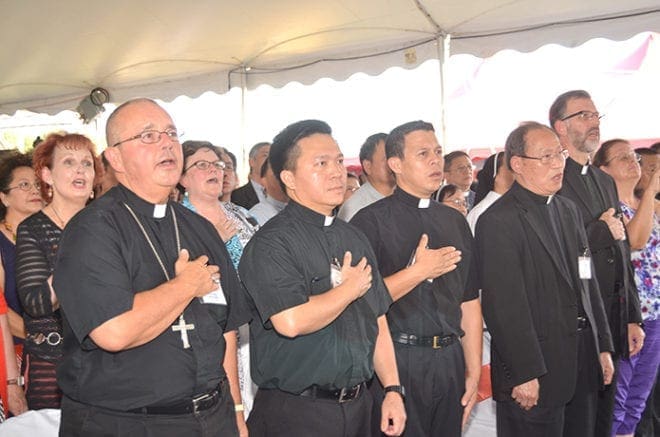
x=104, y=260
x=287, y=261
x=394, y=226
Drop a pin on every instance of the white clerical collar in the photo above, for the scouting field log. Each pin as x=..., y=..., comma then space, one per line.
x=547, y=202
x=159, y=210
x=328, y=220
x=585, y=167
x=423, y=203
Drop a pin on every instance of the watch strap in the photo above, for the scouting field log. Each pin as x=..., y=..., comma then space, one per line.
x=396, y=389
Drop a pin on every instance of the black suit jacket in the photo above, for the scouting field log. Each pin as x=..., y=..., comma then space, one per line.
x=529, y=296
x=245, y=196
x=611, y=258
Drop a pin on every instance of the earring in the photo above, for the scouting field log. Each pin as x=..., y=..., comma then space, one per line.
x=50, y=192
x=91, y=195
x=186, y=197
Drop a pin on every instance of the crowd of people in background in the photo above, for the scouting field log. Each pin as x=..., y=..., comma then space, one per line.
x=147, y=292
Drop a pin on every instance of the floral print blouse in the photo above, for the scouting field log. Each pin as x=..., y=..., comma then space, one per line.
x=647, y=269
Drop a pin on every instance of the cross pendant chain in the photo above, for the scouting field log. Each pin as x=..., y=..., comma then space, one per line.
x=184, y=328
x=181, y=325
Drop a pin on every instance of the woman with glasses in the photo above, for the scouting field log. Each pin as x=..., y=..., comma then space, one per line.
x=66, y=165
x=19, y=198
x=454, y=197
x=641, y=216
x=352, y=185
x=204, y=180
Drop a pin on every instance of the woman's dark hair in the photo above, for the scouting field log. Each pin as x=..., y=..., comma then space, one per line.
x=7, y=167
x=191, y=147
x=447, y=191
x=231, y=156
x=600, y=158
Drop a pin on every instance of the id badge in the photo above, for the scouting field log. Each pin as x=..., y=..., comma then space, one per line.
x=216, y=297
x=335, y=273
x=584, y=267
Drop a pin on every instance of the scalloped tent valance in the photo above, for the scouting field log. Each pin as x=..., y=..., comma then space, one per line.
x=54, y=53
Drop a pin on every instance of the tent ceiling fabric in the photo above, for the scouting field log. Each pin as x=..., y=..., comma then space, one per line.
x=54, y=53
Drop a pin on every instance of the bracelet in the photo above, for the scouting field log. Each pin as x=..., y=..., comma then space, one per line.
x=239, y=407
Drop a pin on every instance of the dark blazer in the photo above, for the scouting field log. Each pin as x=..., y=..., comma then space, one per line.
x=245, y=196
x=529, y=296
x=609, y=256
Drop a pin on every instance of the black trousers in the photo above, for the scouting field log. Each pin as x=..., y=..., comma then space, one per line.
x=435, y=382
x=279, y=414
x=577, y=418
x=80, y=420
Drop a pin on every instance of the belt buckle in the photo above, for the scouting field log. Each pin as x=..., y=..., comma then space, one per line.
x=198, y=400
x=344, y=392
x=436, y=342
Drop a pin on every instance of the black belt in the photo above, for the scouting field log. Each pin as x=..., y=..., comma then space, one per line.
x=435, y=342
x=198, y=403
x=341, y=395
x=582, y=323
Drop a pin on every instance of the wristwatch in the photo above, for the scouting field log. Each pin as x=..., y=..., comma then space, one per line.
x=396, y=389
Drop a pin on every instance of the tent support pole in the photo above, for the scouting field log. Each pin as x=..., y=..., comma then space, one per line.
x=443, y=48
x=244, y=146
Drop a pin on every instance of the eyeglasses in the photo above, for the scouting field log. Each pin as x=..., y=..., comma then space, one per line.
x=26, y=186
x=626, y=157
x=229, y=168
x=457, y=202
x=548, y=158
x=461, y=169
x=205, y=165
x=584, y=116
x=152, y=136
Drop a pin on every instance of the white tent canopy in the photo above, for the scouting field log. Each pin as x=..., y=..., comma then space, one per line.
x=54, y=53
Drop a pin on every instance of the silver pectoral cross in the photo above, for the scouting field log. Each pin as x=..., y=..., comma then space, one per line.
x=184, y=328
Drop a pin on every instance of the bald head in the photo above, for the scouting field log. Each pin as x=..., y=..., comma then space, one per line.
x=144, y=149
x=114, y=124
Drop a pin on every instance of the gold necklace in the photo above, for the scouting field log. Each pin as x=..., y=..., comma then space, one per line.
x=57, y=215
x=10, y=230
